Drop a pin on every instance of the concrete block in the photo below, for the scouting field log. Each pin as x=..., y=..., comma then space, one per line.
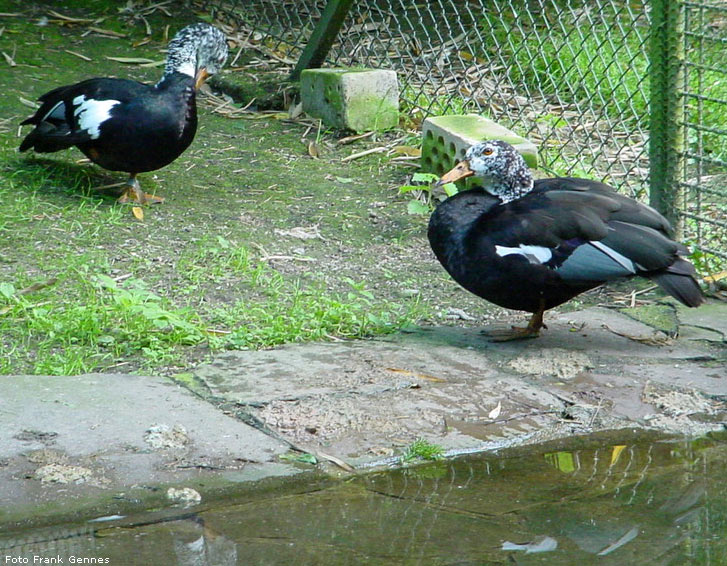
x=355, y=99
x=447, y=138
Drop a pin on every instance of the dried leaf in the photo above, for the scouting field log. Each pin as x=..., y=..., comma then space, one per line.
x=417, y=375
x=616, y=453
x=79, y=55
x=657, y=338
x=138, y=212
x=408, y=150
x=159, y=63
x=68, y=18
x=217, y=332
x=38, y=286
x=714, y=277
x=10, y=61
x=142, y=42
x=131, y=60
x=108, y=32
x=265, y=115
x=494, y=413
x=337, y=461
x=295, y=110
x=363, y=153
x=300, y=232
x=28, y=103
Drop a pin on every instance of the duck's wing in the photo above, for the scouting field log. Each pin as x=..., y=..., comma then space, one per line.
x=71, y=115
x=582, y=235
x=629, y=210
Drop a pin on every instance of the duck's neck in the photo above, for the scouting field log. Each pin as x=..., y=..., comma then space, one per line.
x=175, y=81
x=509, y=188
x=180, y=60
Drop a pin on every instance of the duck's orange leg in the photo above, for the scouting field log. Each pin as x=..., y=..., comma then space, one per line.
x=532, y=330
x=133, y=193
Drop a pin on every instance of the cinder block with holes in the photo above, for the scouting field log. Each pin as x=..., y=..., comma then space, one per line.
x=361, y=100
x=447, y=138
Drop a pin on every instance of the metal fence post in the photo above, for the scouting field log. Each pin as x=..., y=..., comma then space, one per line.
x=667, y=111
x=323, y=36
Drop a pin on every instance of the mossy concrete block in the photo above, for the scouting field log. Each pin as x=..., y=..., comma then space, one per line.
x=447, y=138
x=353, y=99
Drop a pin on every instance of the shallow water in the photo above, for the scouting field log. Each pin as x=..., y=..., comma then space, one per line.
x=612, y=500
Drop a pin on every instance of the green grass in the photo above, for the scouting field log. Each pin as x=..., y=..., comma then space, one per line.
x=422, y=449
x=89, y=320
x=66, y=305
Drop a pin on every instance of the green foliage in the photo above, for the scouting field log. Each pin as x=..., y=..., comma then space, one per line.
x=422, y=449
x=299, y=457
x=102, y=322
x=289, y=310
x=705, y=263
x=92, y=321
x=413, y=99
x=422, y=188
x=574, y=62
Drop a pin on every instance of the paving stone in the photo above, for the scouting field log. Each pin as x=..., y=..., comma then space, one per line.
x=356, y=99
x=53, y=427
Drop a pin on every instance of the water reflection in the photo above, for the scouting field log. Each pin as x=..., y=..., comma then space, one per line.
x=623, y=502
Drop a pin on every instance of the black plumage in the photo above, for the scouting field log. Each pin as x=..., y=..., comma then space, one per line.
x=124, y=125
x=532, y=245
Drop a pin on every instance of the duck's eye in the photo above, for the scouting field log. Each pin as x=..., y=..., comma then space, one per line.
x=488, y=151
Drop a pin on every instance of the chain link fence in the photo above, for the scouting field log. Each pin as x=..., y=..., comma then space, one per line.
x=571, y=75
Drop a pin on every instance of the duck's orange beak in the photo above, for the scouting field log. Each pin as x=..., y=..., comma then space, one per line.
x=201, y=76
x=460, y=171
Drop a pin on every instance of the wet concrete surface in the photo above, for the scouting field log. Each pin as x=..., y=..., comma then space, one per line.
x=357, y=403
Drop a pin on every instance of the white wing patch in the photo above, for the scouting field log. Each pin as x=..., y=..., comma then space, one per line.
x=92, y=113
x=534, y=254
x=621, y=259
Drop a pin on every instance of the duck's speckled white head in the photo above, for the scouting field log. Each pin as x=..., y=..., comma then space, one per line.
x=198, y=50
x=501, y=168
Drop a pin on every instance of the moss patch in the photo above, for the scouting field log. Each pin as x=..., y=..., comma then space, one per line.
x=659, y=315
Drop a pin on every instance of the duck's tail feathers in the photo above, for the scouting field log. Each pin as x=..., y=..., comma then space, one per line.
x=679, y=281
x=47, y=138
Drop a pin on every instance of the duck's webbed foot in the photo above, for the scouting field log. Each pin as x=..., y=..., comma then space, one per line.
x=532, y=330
x=133, y=193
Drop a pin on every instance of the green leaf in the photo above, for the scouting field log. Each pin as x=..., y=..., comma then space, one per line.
x=105, y=282
x=409, y=188
x=424, y=178
x=7, y=290
x=417, y=207
x=304, y=457
x=450, y=189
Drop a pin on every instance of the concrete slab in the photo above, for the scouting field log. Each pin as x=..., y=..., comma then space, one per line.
x=76, y=436
x=362, y=401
